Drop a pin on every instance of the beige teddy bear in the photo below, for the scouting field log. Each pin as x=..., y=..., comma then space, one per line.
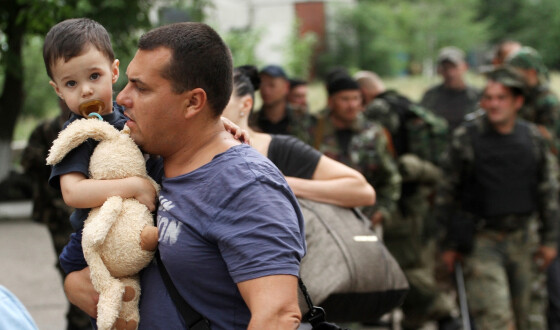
x=111, y=234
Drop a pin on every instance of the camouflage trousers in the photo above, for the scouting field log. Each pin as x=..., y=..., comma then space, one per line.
x=416, y=253
x=499, y=274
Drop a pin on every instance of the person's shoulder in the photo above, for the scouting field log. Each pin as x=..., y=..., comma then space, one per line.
x=435, y=89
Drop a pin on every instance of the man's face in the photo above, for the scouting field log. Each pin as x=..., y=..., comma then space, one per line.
x=273, y=89
x=298, y=96
x=86, y=77
x=452, y=73
x=500, y=104
x=346, y=105
x=153, y=109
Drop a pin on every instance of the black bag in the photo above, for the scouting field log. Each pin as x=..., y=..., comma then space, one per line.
x=347, y=269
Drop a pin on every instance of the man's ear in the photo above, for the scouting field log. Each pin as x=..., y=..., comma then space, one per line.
x=56, y=90
x=115, y=70
x=195, y=102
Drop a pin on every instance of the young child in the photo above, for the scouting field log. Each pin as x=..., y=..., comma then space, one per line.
x=81, y=64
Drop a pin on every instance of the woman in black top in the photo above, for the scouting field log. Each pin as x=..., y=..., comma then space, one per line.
x=309, y=173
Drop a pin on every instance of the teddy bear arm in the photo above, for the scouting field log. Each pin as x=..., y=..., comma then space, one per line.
x=96, y=230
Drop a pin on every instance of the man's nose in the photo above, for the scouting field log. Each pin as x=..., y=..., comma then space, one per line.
x=123, y=99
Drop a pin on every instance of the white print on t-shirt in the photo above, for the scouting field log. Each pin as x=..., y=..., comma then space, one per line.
x=165, y=204
x=169, y=230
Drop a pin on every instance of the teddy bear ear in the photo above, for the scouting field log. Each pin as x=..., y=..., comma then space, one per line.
x=77, y=133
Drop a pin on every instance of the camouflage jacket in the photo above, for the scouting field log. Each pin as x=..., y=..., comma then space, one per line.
x=458, y=166
x=48, y=205
x=414, y=129
x=368, y=153
x=542, y=107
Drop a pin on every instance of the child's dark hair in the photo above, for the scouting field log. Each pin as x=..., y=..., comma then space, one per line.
x=246, y=80
x=71, y=37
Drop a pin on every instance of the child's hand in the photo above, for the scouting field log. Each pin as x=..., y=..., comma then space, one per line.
x=145, y=192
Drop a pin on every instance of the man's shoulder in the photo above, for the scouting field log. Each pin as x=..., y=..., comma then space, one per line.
x=435, y=89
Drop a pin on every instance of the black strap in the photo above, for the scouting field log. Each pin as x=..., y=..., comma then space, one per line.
x=193, y=319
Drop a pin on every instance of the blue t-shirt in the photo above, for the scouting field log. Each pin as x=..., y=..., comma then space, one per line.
x=231, y=220
x=77, y=160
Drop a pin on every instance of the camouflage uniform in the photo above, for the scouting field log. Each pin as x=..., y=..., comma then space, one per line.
x=499, y=267
x=48, y=206
x=451, y=104
x=295, y=123
x=419, y=137
x=542, y=107
x=368, y=153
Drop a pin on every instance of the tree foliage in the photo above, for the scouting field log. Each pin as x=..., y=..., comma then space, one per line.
x=298, y=52
x=22, y=19
x=388, y=36
x=535, y=23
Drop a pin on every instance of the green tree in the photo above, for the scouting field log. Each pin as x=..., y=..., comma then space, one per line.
x=385, y=36
x=298, y=52
x=22, y=18
x=532, y=22
x=242, y=42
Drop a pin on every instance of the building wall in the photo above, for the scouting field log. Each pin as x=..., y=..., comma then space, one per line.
x=275, y=18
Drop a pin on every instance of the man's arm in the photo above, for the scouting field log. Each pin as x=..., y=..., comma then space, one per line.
x=273, y=302
x=81, y=192
x=80, y=292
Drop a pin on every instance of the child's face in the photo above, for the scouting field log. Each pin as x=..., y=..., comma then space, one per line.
x=86, y=77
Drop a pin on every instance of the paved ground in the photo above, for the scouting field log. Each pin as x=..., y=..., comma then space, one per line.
x=27, y=260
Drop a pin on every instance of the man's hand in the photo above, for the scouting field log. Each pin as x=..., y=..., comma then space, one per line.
x=449, y=257
x=544, y=256
x=80, y=292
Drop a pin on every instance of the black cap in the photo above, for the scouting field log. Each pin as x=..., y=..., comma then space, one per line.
x=341, y=83
x=274, y=71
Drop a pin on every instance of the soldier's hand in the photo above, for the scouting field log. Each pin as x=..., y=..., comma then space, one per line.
x=544, y=256
x=80, y=292
x=449, y=257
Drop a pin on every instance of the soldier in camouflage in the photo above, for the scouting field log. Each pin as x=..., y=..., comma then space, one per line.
x=543, y=108
x=276, y=115
x=453, y=98
x=499, y=183
x=419, y=137
x=342, y=133
x=48, y=206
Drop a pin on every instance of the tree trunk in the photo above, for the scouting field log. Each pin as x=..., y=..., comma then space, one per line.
x=11, y=100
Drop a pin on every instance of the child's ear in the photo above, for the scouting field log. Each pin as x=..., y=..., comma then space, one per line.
x=56, y=90
x=115, y=70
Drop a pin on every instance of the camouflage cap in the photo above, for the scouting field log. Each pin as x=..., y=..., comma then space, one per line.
x=527, y=58
x=451, y=54
x=507, y=77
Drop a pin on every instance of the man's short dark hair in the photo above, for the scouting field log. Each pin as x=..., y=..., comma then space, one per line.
x=200, y=59
x=71, y=37
x=296, y=82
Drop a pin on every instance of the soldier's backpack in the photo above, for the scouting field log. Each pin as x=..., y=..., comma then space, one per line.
x=348, y=270
x=418, y=130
